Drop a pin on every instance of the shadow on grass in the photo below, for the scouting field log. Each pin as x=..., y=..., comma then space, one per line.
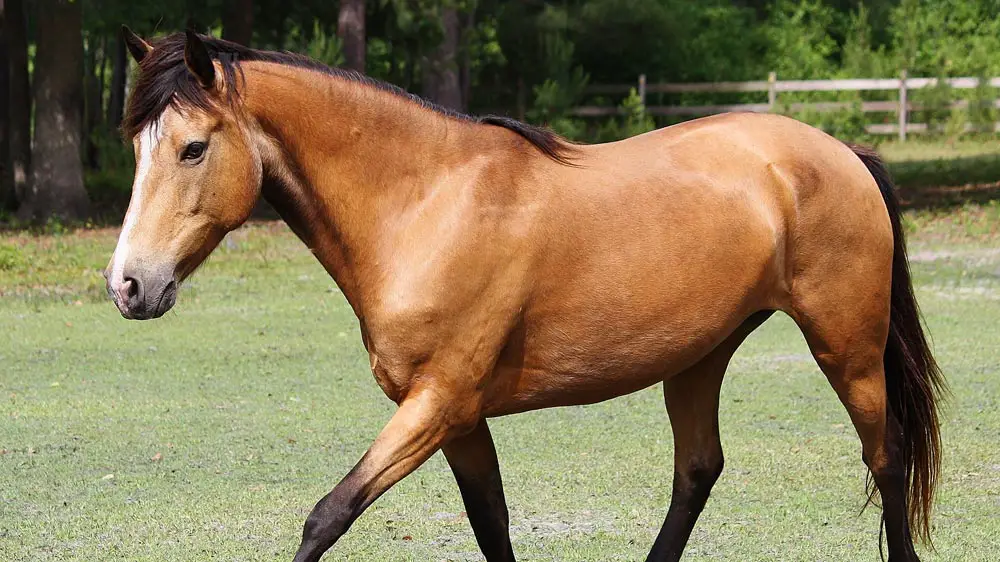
x=948, y=182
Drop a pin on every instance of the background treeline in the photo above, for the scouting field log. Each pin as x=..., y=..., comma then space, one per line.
x=64, y=70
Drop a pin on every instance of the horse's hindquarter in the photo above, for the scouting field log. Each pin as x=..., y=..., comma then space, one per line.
x=656, y=249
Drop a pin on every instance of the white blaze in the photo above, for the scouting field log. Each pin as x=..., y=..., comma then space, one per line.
x=149, y=138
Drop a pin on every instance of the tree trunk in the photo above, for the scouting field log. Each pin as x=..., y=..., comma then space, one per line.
x=7, y=200
x=410, y=61
x=441, y=83
x=351, y=30
x=522, y=99
x=116, y=97
x=465, y=72
x=16, y=32
x=237, y=21
x=93, y=106
x=57, y=172
x=281, y=25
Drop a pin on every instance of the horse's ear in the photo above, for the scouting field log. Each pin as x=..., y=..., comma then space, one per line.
x=198, y=61
x=135, y=44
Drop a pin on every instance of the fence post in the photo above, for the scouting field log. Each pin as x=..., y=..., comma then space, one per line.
x=772, y=90
x=902, y=106
x=642, y=89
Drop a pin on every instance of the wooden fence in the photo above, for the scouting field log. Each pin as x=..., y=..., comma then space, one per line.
x=772, y=86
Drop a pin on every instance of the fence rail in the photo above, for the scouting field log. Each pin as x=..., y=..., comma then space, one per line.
x=772, y=86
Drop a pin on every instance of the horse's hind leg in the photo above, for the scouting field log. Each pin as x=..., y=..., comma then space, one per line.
x=692, y=399
x=847, y=338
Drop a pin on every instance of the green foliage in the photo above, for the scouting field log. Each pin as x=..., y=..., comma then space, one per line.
x=554, y=98
x=846, y=124
x=553, y=101
x=800, y=42
x=325, y=47
x=935, y=102
x=950, y=37
x=720, y=41
x=11, y=258
x=565, y=83
x=620, y=39
x=982, y=113
x=635, y=121
x=906, y=30
x=859, y=56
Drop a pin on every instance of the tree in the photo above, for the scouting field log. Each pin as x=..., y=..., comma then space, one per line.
x=468, y=26
x=237, y=21
x=801, y=45
x=441, y=76
x=351, y=30
x=7, y=199
x=116, y=97
x=19, y=102
x=93, y=106
x=57, y=172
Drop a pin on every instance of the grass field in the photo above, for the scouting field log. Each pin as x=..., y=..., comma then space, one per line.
x=209, y=434
x=936, y=174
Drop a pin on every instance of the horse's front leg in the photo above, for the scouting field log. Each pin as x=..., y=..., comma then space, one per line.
x=423, y=423
x=473, y=459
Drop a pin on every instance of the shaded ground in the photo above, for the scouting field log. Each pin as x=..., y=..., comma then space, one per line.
x=941, y=175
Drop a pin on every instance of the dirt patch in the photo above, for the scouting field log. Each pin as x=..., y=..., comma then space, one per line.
x=538, y=526
x=966, y=293
x=975, y=257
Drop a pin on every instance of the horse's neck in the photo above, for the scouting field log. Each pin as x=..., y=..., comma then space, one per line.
x=345, y=160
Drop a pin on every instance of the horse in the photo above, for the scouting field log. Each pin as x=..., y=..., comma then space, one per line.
x=497, y=268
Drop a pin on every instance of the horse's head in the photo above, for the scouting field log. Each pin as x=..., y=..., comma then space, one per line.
x=198, y=174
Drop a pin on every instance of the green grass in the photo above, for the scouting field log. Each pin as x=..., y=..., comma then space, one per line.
x=209, y=434
x=938, y=174
x=917, y=148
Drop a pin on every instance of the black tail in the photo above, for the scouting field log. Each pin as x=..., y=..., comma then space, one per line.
x=912, y=379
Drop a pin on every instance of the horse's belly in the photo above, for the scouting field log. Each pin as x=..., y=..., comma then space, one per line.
x=556, y=369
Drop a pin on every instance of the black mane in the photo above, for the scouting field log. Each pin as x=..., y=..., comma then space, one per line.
x=164, y=80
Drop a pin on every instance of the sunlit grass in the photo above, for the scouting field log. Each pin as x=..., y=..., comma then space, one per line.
x=916, y=148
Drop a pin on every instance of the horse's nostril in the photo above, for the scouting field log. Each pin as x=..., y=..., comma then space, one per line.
x=131, y=287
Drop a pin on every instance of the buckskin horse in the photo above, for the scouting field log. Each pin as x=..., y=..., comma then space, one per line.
x=496, y=268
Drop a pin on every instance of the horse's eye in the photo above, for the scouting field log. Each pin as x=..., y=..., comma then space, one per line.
x=193, y=151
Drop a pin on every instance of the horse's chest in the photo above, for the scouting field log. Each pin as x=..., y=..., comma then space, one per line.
x=389, y=385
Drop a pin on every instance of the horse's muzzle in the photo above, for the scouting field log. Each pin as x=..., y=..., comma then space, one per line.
x=143, y=293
